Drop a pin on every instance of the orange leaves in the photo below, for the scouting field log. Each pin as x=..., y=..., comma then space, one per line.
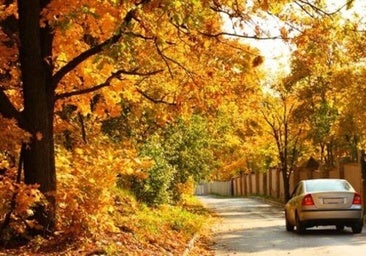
x=107, y=24
x=27, y=196
x=7, y=10
x=264, y=5
x=284, y=33
x=11, y=135
x=16, y=202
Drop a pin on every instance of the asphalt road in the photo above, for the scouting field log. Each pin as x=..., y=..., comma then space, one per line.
x=249, y=226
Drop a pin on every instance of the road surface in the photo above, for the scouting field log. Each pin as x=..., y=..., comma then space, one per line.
x=251, y=226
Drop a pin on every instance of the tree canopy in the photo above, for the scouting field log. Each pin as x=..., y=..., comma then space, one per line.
x=156, y=95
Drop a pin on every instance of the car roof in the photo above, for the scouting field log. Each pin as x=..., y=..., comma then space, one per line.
x=323, y=180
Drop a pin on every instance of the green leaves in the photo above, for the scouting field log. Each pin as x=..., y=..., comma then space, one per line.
x=180, y=153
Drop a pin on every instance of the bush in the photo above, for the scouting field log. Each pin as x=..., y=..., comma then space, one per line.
x=85, y=181
x=154, y=188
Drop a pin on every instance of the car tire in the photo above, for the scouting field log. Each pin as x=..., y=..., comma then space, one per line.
x=289, y=227
x=357, y=228
x=300, y=228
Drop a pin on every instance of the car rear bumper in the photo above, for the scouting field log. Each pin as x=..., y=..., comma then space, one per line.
x=329, y=217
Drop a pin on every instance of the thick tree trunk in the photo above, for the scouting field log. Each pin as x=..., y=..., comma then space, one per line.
x=39, y=160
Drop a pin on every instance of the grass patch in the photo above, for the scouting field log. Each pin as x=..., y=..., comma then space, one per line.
x=164, y=229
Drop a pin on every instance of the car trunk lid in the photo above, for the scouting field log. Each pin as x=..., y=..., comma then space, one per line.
x=333, y=200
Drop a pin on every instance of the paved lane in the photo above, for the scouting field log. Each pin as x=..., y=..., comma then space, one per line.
x=250, y=226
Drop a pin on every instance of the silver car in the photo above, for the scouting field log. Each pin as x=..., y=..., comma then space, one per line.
x=324, y=202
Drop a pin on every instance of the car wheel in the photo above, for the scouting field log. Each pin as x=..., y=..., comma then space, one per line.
x=340, y=228
x=300, y=228
x=289, y=227
x=357, y=228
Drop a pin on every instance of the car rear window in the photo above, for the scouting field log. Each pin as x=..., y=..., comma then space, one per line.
x=327, y=185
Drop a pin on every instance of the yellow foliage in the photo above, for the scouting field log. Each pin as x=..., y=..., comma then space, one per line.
x=86, y=178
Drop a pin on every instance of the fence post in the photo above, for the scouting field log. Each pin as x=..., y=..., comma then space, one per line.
x=241, y=184
x=270, y=182
x=265, y=176
x=278, y=183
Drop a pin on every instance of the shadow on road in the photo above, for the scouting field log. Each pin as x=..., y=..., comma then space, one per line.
x=250, y=226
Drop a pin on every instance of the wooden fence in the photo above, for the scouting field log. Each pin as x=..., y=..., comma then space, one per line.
x=223, y=188
x=271, y=182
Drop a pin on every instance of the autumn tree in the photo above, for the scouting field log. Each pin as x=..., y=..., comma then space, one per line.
x=89, y=55
x=331, y=62
x=330, y=45
x=188, y=147
x=322, y=59
x=238, y=137
x=98, y=58
x=287, y=127
x=349, y=89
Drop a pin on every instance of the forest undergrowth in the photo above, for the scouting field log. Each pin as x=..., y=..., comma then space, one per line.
x=137, y=230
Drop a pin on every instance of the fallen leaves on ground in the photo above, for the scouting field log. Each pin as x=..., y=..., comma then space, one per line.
x=140, y=231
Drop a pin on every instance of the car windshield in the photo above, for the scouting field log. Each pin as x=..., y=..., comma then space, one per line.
x=327, y=185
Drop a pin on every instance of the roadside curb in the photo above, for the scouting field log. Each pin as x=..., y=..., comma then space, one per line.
x=190, y=244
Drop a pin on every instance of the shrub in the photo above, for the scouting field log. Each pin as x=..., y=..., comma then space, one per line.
x=154, y=188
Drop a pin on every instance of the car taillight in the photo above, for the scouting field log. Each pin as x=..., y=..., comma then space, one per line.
x=357, y=199
x=307, y=200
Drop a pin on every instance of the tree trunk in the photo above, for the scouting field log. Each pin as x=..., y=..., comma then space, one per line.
x=286, y=184
x=38, y=93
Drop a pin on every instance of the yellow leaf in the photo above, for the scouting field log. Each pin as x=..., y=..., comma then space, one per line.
x=79, y=151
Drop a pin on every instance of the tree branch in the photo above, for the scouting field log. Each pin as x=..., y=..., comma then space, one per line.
x=82, y=57
x=318, y=10
x=168, y=59
x=157, y=101
x=96, y=49
x=106, y=83
x=7, y=109
x=242, y=36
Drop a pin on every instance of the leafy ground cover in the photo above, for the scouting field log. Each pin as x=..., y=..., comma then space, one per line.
x=139, y=230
